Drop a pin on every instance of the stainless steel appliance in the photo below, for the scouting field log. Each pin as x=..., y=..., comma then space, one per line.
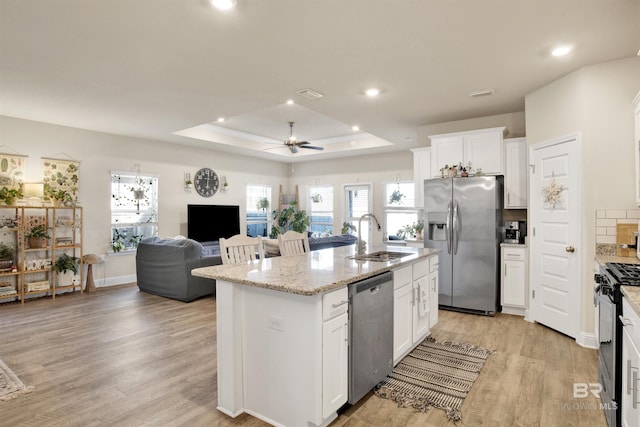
x=463, y=218
x=608, y=299
x=370, y=334
x=514, y=231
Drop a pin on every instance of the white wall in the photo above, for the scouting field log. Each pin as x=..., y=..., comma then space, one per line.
x=594, y=102
x=100, y=153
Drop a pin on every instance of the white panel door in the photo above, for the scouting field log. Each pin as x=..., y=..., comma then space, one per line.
x=555, y=260
x=420, y=320
x=402, y=321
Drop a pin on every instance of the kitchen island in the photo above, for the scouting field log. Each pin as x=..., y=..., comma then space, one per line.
x=282, y=332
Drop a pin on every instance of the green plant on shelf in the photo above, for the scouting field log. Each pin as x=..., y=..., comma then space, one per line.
x=66, y=263
x=9, y=195
x=7, y=252
x=37, y=231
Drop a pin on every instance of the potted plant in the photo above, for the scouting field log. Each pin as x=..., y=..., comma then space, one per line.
x=347, y=228
x=188, y=183
x=9, y=195
x=66, y=267
x=61, y=197
x=316, y=198
x=7, y=257
x=37, y=236
x=290, y=218
x=418, y=227
x=263, y=203
x=396, y=197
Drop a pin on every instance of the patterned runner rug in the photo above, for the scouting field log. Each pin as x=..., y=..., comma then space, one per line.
x=10, y=384
x=438, y=374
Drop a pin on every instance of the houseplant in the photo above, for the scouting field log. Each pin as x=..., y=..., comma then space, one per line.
x=290, y=218
x=7, y=257
x=347, y=228
x=61, y=197
x=263, y=203
x=9, y=195
x=37, y=236
x=66, y=267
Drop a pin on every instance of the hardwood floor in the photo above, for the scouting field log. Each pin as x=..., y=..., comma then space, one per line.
x=123, y=357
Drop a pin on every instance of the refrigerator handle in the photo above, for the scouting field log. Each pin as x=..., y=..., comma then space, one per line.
x=447, y=230
x=455, y=227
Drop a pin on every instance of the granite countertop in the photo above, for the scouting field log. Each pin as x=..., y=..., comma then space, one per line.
x=309, y=274
x=603, y=259
x=513, y=245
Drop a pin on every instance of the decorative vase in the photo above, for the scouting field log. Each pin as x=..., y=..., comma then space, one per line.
x=37, y=242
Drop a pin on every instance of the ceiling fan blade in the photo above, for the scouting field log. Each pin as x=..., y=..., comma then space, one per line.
x=312, y=147
x=302, y=143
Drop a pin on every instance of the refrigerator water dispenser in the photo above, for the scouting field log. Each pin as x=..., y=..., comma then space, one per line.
x=436, y=232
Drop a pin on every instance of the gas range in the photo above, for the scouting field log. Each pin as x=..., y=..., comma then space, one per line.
x=623, y=274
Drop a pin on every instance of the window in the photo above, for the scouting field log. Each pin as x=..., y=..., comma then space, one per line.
x=399, y=210
x=134, y=209
x=321, y=210
x=357, y=203
x=258, y=210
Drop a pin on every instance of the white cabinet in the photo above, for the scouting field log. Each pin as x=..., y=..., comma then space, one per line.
x=483, y=148
x=335, y=351
x=514, y=280
x=411, y=323
x=630, y=396
x=421, y=171
x=636, y=114
x=516, y=173
x=433, y=291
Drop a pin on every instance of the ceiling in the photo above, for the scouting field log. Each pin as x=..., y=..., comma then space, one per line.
x=167, y=70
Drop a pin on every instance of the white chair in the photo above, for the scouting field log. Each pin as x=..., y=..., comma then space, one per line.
x=293, y=243
x=241, y=248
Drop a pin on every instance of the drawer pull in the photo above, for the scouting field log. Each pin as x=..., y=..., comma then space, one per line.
x=339, y=304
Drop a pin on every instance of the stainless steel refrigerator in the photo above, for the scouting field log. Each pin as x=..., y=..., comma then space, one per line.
x=463, y=217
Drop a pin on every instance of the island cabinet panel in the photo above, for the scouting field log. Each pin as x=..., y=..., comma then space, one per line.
x=421, y=305
x=294, y=364
x=433, y=291
x=630, y=396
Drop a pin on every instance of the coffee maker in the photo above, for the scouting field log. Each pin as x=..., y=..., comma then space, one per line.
x=514, y=231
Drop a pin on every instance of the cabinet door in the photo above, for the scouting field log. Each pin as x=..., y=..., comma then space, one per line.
x=513, y=283
x=433, y=299
x=515, y=177
x=421, y=171
x=335, y=364
x=446, y=151
x=402, y=321
x=420, y=318
x=630, y=399
x=485, y=151
x=636, y=104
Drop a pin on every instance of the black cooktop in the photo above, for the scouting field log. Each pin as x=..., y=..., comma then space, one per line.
x=625, y=274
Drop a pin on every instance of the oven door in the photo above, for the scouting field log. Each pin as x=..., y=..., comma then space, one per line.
x=607, y=355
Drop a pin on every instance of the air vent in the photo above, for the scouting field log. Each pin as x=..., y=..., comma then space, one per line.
x=309, y=94
x=483, y=92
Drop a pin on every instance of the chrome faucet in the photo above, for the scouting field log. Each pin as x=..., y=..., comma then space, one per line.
x=360, y=242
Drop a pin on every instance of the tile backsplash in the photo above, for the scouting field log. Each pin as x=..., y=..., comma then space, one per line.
x=607, y=221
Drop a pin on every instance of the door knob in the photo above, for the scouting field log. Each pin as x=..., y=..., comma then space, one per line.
x=570, y=249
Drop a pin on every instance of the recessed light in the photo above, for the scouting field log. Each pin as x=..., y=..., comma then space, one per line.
x=355, y=128
x=290, y=102
x=373, y=92
x=561, y=51
x=223, y=4
x=220, y=119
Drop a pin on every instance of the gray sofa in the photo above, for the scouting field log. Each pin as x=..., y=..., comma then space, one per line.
x=315, y=243
x=163, y=267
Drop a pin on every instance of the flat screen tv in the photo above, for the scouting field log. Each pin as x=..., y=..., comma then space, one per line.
x=208, y=223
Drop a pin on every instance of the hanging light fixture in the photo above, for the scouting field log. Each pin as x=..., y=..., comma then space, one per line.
x=223, y=4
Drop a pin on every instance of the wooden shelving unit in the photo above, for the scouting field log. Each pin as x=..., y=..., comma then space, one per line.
x=33, y=276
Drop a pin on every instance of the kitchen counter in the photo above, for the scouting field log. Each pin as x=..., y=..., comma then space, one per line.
x=513, y=245
x=312, y=273
x=603, y=259
x=632, y=293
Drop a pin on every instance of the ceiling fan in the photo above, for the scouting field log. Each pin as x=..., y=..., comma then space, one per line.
x=293, y=144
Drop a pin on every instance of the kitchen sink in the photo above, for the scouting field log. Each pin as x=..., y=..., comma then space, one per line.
x=380, y=256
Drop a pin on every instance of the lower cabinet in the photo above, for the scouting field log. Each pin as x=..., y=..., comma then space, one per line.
x=514, y=280
x=433, y=291
x=630, y=396
x=413, y=286
x=335, y=363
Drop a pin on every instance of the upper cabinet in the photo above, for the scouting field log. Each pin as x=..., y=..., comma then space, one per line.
x=636, y=112
x=516, y=173
x=421, y=171
x=482, y=148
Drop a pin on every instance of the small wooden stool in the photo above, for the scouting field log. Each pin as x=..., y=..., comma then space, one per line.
x=91, y=259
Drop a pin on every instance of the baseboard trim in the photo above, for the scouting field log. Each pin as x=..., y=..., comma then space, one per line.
x=587, y=339
x=116, y=280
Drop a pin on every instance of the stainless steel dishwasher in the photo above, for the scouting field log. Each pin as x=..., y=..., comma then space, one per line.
x=370, y=334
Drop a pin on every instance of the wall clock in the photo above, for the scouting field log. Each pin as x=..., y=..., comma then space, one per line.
x=206, y=182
